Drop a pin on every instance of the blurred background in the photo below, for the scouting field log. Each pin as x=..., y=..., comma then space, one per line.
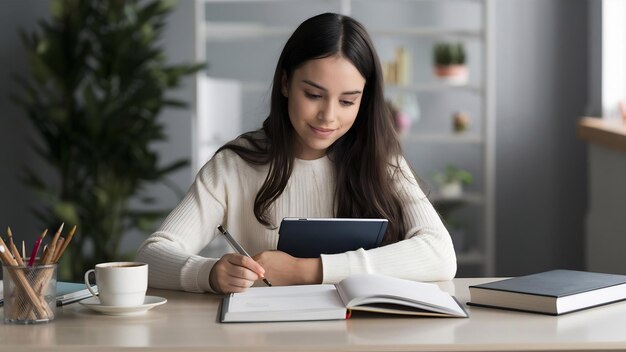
x=489, y=97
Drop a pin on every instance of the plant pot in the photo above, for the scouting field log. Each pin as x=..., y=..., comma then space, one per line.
x=451, y=190
x=452, y=74
x=460, y=122
x=403, y=123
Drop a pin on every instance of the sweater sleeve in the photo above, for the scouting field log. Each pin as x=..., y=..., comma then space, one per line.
x=172, y=251
x=426, y=253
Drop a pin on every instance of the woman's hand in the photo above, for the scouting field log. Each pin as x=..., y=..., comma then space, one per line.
x=234, y=273
x=282, y=269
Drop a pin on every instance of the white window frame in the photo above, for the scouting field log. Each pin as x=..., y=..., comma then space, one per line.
x=613, y=57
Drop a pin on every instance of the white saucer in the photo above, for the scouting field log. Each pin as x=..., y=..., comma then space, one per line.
x=149, y=303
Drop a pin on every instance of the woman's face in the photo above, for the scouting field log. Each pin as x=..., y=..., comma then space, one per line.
x=323, y=99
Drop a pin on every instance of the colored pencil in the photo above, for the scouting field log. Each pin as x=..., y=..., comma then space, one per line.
x=33, y=254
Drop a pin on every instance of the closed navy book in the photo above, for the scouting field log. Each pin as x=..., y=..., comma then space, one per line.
x=552, y=292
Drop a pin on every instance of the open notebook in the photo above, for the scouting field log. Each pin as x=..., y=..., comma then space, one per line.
x=374, y=293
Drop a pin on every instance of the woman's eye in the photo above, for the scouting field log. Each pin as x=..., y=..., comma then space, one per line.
x=346, y=102
x=312, y=96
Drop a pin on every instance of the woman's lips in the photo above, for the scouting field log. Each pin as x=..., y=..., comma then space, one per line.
x=321, y=132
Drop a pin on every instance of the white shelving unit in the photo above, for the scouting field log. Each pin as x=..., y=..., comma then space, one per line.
x=211, y=29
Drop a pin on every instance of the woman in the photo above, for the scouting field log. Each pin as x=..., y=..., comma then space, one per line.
x=327, y=149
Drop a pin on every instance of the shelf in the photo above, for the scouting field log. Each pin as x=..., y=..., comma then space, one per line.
x=607, y=133
x=466, y=197
x=414, y=139
x=365, y=1
x=432, y=87
x=303, y=1
x=465, y=138
x=229, y=31
x=258, y=1
x=259, y=86
x=428, y=32
x=215, y=31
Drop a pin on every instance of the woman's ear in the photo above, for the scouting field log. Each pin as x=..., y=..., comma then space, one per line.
x=284, y=86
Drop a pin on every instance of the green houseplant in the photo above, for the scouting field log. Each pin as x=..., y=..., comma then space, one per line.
x=451, y=181
x=98, y=84
x=449, y=62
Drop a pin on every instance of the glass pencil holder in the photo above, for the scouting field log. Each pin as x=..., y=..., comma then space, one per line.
x=29, y=293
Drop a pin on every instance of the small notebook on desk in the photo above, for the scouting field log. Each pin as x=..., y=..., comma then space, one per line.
x=67, y=292
x=552, y=292
x=373, y=293
x=70, y=292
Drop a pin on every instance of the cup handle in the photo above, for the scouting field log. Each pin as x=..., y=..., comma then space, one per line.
x=88, y=284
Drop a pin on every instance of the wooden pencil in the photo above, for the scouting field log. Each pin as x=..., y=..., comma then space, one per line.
x=14, y=250
x=47, y=259
x=65, y=244
x=57, y=249
x=7, y=258
x=44, y=252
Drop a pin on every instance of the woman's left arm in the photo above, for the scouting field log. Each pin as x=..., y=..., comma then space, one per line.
x=426, y=253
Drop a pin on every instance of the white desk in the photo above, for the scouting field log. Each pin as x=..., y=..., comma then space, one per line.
x=188, y=322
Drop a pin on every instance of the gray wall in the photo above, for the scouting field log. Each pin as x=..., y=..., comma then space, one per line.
x=541, y=81
x=15, y=130
x=541, y=165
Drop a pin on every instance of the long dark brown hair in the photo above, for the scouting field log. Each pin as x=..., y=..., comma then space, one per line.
x=365, y=158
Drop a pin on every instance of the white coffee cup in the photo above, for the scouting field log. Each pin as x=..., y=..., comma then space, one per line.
x=122, y=284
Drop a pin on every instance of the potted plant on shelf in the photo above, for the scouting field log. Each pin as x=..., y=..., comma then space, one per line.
x=451, y=181
x=460, y=122
x=402, y=121
x=95, y=97
x=449, y=61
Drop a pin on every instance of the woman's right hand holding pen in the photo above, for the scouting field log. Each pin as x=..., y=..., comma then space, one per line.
x=234, y=273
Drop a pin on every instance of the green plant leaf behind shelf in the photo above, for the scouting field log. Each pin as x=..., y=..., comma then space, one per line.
x=453, y=173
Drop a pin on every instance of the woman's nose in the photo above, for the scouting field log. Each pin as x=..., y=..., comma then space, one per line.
x=327, y=112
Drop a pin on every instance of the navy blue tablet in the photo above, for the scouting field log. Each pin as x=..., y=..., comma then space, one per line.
x=311, y=237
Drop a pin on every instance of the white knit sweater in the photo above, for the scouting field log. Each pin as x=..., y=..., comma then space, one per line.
x=223, y=193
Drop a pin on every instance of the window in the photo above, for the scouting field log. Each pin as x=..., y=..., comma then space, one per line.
x=613, y=57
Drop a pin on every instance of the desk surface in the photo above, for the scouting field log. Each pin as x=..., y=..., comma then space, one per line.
x=188, y=322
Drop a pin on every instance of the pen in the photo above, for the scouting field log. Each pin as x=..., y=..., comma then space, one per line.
x=238, y=248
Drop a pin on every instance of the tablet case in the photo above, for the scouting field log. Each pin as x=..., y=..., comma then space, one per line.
x=310, y=237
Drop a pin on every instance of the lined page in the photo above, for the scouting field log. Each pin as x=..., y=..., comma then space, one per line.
x=286, y=298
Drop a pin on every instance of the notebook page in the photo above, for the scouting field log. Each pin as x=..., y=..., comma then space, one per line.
x=286, y=298
x=368, y=288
